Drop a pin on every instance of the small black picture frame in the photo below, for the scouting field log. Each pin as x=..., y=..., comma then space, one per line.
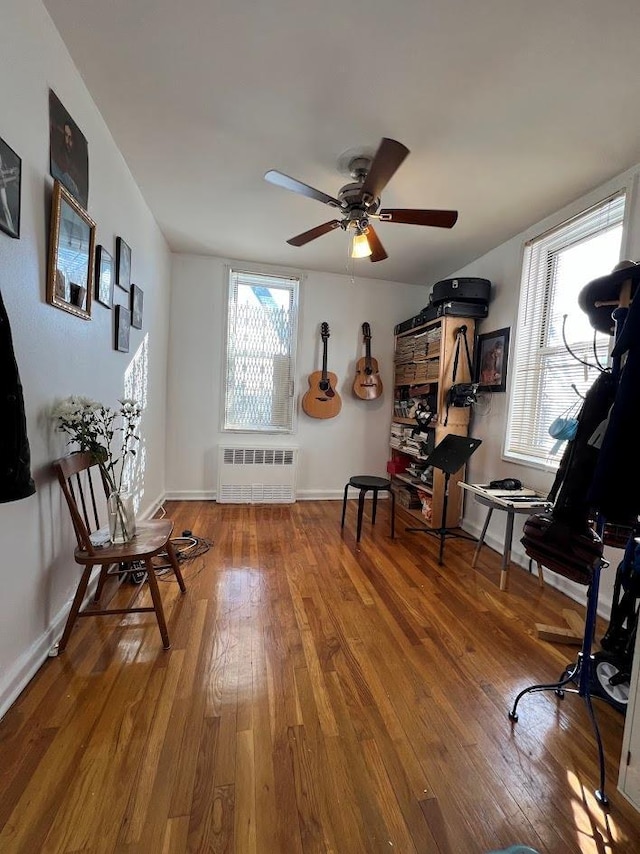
x=137, y=297
x=492, y=355
x=10, y=185
x=104, y=277
x=123, y=264
x=122, y=328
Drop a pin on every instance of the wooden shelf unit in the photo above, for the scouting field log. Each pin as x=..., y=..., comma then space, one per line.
x=428, y=351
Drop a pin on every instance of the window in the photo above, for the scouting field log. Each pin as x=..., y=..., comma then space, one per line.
x=260, y=357
x=557, y=265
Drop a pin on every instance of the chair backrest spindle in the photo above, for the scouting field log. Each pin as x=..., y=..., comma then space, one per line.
x=93, y=501
x=83, y=503
x=71, y=471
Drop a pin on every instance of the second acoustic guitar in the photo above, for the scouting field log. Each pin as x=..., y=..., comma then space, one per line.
x=367, y=384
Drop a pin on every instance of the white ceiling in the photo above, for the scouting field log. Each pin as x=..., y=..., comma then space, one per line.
x=510, y=108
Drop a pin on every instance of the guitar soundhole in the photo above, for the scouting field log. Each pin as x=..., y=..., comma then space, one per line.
x=325, y=388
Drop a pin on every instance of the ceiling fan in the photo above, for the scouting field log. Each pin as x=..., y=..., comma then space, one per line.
x=359, y=201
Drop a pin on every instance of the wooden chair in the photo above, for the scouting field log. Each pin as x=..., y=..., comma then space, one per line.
x=81, y=482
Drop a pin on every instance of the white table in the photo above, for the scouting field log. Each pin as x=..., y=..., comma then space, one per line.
x=523, y=500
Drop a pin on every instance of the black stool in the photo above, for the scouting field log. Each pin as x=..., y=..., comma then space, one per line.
x=364, y=483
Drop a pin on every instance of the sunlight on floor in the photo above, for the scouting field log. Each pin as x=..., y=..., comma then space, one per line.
x=596, y=830
x=233, y=613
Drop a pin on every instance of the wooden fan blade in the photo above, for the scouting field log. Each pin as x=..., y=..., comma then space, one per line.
x=439, y=219
x=377, y=249
x=318, y=231
x=287, y=183
x=387, y=159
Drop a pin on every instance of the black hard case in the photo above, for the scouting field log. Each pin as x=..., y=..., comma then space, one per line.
x=455, y=308
x=468, y=289
x=411, y=323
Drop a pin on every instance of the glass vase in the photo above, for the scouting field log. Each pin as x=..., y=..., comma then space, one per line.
x=122, y=519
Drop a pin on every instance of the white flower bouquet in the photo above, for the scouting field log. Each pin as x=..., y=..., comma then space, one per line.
x=93, y=427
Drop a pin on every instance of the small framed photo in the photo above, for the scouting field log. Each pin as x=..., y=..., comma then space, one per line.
x=123, y=265
x=10, y=180
x=123, y=328
x=104, y=277
x=492, y=354
x=136, y=306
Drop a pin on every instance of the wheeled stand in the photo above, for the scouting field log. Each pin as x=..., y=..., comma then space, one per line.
x=581, y=672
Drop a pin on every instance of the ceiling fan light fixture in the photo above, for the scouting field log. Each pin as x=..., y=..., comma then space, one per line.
x=360, y=246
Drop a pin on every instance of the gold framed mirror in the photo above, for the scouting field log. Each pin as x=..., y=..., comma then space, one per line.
x=72, y=241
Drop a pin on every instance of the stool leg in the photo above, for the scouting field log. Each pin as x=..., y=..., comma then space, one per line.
x=344, y=504
x=360, y=509
x=375, y=507
x=393, y=513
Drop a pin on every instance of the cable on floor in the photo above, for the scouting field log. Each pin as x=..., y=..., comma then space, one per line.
x=186, y=548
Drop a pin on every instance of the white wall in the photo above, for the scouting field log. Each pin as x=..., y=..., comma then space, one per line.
x=332, y=450
x=57, y=353
x=503, y=267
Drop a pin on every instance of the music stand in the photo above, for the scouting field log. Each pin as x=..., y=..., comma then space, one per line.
x=449, y=456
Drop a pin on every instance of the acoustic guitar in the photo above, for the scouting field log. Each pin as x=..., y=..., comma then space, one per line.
x=367, y=385
x=322, y=400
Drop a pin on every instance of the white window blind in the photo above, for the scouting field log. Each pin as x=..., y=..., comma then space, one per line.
x=557, y=265
x=260, y=352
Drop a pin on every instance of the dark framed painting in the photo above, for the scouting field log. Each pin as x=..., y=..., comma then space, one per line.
x=122, y=328
x=123, y=264
x=492, y=353
x=10, y=182
x=104, y=277
x=68, y=151
x=71, y=254
x=136, y=306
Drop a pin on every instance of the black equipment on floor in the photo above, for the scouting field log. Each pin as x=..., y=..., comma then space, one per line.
x=450, y=455
x=612, y=670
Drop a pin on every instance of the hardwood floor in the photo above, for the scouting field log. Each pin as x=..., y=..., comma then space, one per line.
x=320, y=696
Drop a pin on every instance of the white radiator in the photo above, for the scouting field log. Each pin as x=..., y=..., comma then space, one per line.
x=257, y=475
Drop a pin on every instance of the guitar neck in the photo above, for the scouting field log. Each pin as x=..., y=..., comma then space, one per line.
x=324, y=359
x=366, y=334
